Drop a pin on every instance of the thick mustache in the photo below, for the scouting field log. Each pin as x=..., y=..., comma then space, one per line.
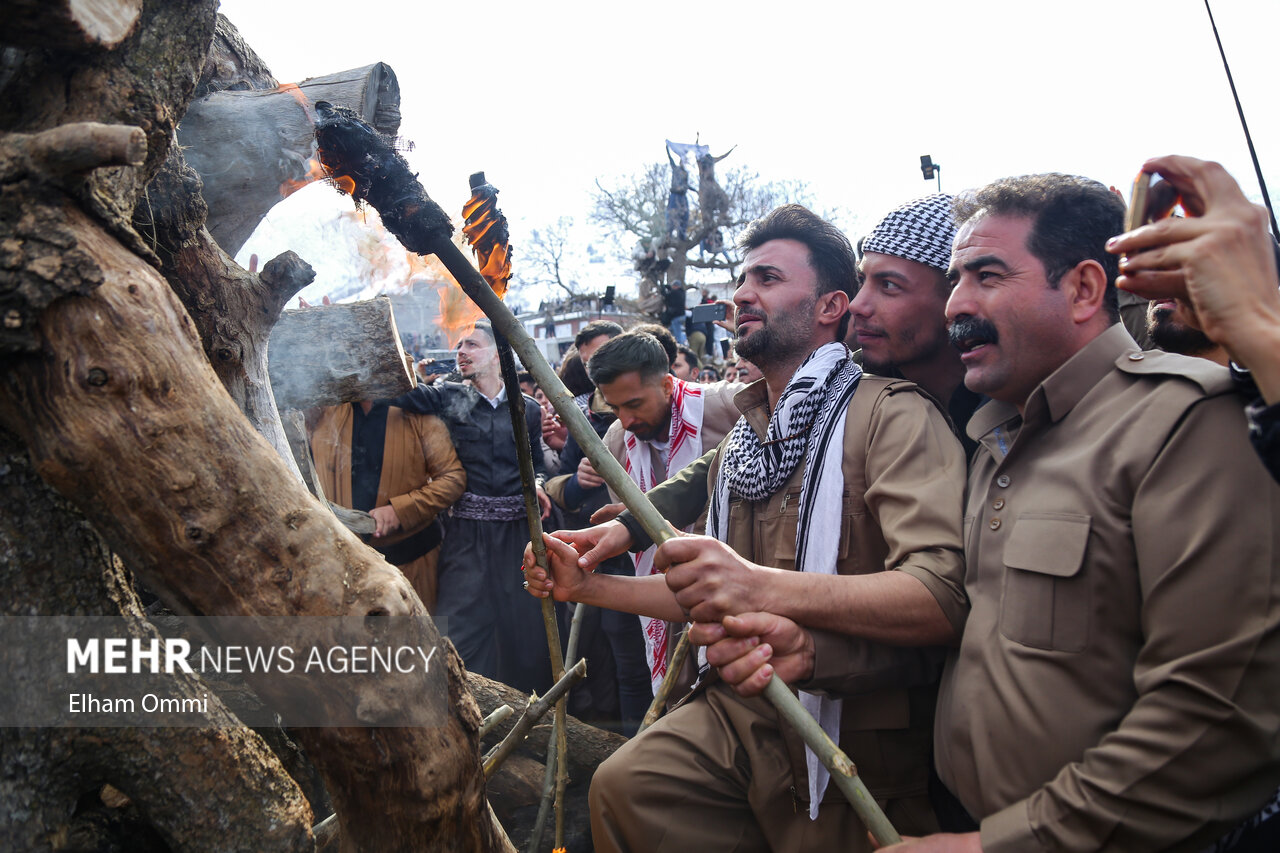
x=968, y=328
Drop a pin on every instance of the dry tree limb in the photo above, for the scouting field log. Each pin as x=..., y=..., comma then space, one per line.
x=551, y=776
x=72, y=148
x=499, y=714
x=533, y=712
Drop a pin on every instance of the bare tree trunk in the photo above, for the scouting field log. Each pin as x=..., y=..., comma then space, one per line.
x=52, y=562
x=252, y=148
x=112, y=395
x=210, y=517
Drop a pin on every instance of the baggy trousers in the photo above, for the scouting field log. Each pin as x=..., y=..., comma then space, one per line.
x=483, y=608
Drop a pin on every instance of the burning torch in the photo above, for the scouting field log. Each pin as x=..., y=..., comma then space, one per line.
x=368, y=163
x=486, y=231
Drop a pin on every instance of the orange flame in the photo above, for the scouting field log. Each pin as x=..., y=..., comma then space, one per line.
x=315, y=172
x=481, y=216
x=344, y=183
x=458, y=314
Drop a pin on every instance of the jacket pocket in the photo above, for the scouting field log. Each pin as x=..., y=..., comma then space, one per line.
x=1046, y=600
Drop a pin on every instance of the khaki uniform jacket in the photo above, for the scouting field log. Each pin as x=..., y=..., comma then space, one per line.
x=1118, y=682
x=421, y=474
x=904, y=484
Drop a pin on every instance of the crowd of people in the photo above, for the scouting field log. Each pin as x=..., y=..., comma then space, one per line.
x=1024, y=571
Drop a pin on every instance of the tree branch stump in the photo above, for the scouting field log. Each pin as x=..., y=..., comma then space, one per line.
x=253, y=148
x=333, y=354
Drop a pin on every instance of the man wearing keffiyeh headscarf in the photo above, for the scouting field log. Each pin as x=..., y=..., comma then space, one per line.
x=829, y=473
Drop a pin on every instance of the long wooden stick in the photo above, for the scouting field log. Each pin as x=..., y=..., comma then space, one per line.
x=533, y=513
x=657, y=527
x=549, y=776
x=668, y=681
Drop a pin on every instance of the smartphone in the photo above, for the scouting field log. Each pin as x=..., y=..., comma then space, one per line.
x=443, y=365
x=708, y=313
x=1152, y=198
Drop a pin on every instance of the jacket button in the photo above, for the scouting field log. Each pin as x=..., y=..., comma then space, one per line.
x=994, y=524
x=1003, y=481
x=998, y=504
x=1135, y=356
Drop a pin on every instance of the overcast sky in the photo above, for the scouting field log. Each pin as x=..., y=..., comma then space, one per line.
x=546, y=97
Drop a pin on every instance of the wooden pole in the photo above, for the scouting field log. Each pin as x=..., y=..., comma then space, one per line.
x=843, y=772
x=533, y=512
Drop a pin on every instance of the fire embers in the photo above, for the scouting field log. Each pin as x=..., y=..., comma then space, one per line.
x=365, y=164
x=486, y=230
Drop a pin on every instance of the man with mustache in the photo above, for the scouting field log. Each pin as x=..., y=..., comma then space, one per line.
x=831, y=478
x=899, y=312
x=1117, y=678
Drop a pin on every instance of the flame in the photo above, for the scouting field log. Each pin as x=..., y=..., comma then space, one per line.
x=344, y=184
x=458, y=314
x=392, y=268
x=315, y=172
x=485, y=229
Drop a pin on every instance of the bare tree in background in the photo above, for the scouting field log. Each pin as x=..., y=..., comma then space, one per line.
x=631, y=208
x=547, y=260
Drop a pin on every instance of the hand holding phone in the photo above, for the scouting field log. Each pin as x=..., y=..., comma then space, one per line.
x=1153, y=198
x=708, y=312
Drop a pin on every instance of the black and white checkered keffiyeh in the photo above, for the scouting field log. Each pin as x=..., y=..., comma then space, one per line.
x=921, y=231
x=807, y=425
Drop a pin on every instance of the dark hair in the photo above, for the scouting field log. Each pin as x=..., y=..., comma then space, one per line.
x=664, y=336
x=486, y=327
x=830, y=253
x=574, y=375
x=1072, y=219
x=525, y=376
x=689, y=355
x=591, y=331
x=634, y=351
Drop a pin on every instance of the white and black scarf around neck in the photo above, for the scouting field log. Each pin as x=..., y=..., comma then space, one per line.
x=808, y=425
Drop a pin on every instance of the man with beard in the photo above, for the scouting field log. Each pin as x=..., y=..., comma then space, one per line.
x=663, y=423
x=481, y=608
x=1174, y=327
x=899, y=312
x=816, y=487
x=1116, y=682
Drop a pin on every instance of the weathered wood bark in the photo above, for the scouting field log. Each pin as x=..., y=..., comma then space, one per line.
x=69, y=24
x=233, y=309
x=516, y=789
x=333, y=354
x=53, y=563
x=122, y=413
x=209, y=517
x=252, y=148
